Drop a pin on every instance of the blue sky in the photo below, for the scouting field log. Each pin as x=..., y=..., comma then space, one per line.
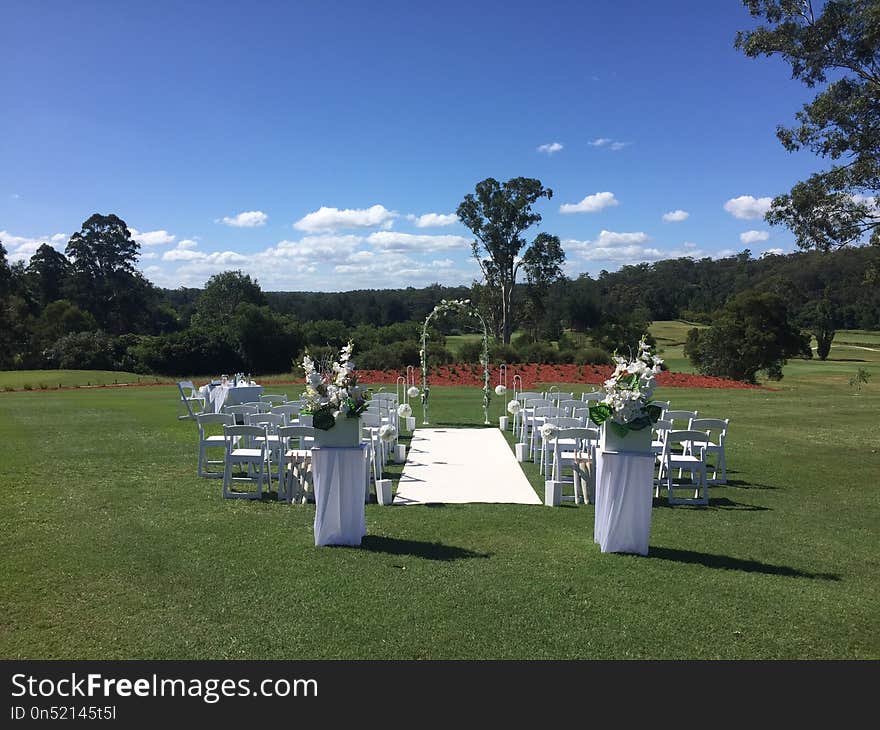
x=309, y=143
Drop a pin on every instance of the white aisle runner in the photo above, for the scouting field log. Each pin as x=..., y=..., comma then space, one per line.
x=458, y=465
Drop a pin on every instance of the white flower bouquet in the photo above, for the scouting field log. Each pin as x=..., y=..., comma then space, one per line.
x=388, y=433
x=404, y=410
x=628, y=392
x=549, y=431
x=500, y=390
x=514, y=407
x=332, y=389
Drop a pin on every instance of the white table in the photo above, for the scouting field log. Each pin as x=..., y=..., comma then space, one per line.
x=624, y=496
x=339, y=475
x=231, y=395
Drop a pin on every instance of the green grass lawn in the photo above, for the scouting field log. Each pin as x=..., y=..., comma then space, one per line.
x=113, y=548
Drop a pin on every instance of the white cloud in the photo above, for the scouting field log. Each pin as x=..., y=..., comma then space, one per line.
x=187, y=243
x=21, y=248
x=394, y=241
x=724, y=253
x=611, y=144
x=872, y=203
x=773, y=252
x=331, y=219
x=149, y=255
x=753, y=236
x=151, y=238
x=611, y=247
x=675, y=216
x=747, y=207
x=611, y=238
x=433, y=220
x=314, y=248
x=247, y=219
x=591, y=204
x=387, y=268
x=550, y=148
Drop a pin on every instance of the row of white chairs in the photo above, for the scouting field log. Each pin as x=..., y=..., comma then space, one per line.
x=268, y=449
x=681, y=441
x=192, y=403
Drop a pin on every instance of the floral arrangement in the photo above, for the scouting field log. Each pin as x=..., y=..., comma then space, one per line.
x=413, y=391
x=332, y=390
x=404, y=410
x=549, y=431
x=388, y=433
x=628, y=391
x=500, y=390
x=514, y=407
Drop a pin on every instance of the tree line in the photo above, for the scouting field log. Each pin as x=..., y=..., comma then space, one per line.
x=90, y=307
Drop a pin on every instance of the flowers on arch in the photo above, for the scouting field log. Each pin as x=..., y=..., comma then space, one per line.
x=332, y=389
x=628, y=392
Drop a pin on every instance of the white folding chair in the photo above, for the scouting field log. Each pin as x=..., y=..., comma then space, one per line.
x=188, y=400
x=273, y=398
x=716, y=435
x=242, y=450
x=209, y=440
x=663, y=405
x=594, y=396
x=261, y=406
x=526, y=420
x=574, y=448
x=295, y=474
x=271, y=422
x=683, y=416
x=546, y=444
x=240, y=412
x=522, y=397
x=290, y=411
x=695, y=463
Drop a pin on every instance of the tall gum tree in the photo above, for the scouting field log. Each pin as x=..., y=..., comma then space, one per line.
x=836, y=49
x=499, y=214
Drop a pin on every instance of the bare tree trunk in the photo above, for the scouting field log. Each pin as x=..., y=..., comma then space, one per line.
x=506, y=292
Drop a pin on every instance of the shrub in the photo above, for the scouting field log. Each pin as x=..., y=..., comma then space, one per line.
x=523, y=339
x=470, y=351
x=591, y=356
x=499, y=353
x=539, y=352
x=81, y=351
x=753, y=333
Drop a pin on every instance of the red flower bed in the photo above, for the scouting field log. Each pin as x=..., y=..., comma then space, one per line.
x=533, y=374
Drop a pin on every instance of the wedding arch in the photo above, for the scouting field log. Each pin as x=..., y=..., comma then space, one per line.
x=465, y=307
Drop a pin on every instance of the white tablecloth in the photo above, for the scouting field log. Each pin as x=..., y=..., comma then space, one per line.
x=231, y=395
x=339, y=476
x=624, y=492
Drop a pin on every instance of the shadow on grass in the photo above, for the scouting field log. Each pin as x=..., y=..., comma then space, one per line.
x=418, y=549
x=725, y=562
x=740, y=484
x=716, y=502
